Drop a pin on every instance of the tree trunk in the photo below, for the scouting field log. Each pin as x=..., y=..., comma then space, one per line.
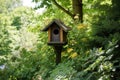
x=77, y=9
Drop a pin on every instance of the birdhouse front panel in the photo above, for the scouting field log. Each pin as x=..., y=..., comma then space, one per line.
x=55, y=33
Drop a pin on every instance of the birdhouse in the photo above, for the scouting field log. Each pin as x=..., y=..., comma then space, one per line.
x=57, y=32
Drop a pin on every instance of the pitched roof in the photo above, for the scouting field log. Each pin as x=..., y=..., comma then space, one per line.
x=59, y=23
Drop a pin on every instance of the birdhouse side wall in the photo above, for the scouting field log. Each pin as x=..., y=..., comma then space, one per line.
x=49, y=35
x=64, y=36
x=61, y=35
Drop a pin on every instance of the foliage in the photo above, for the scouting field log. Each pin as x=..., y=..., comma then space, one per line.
x=49, y=3
x=92, y=52
x=63, y=71
x=106, y=29
x=7, y=5
x=4, y=35
x=96, y=65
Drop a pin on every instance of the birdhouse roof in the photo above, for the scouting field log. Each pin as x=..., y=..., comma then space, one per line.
x=59, y=23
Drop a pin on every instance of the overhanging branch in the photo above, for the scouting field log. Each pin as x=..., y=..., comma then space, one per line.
x=63, y=9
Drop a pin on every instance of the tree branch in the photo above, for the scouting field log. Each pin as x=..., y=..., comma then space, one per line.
x=63, y=9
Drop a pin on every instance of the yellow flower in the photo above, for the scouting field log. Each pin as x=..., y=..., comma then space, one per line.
x=81, y=26
x=87, y=52
x=69, y=50
x=73, y=55
x=64, y=53
x=84, y=39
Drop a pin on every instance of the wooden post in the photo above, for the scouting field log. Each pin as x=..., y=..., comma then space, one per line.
x=58, y=50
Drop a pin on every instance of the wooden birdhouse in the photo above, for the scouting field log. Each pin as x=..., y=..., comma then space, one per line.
x=57, y=32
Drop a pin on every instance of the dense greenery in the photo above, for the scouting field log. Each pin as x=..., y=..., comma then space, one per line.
x=92, y=52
